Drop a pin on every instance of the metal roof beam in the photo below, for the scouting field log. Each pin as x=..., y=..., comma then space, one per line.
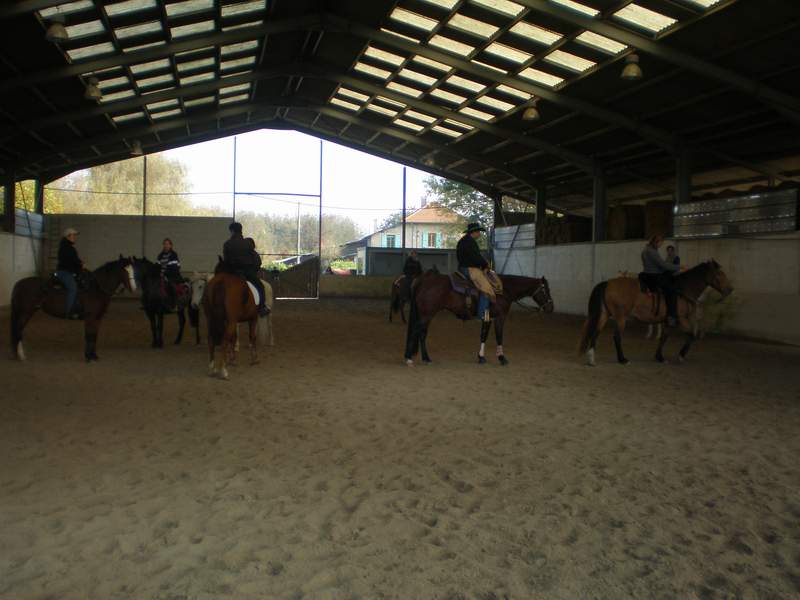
x=786, y=104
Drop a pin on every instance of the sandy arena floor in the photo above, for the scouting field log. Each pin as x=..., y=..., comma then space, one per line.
x=333, y=471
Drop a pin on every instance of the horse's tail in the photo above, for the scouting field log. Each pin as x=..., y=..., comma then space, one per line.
x=412, y=339
x=596, y=306
x=217, y=314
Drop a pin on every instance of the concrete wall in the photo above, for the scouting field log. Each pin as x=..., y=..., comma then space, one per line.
x=198, y=240
x=18, y=256
x=338, y=286
x=765, y=273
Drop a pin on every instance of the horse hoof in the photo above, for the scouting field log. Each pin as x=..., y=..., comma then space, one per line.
x=660, y=359
x=481, y=360
x=624, y=361
x=427, y=361
x=681, y=358
x=503, y=360
x=409, y=362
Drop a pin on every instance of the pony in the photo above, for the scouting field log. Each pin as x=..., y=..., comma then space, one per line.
x=622, y=297
x=33, y=293
x=433, y=293
x=156, y=303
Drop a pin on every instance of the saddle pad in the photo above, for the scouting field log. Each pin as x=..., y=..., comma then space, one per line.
x=254, y=291
x=461, y=285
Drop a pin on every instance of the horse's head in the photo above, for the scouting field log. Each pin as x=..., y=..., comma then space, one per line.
x=717, y=279
x=541, y=295
x=198, y=288
x=127, y=273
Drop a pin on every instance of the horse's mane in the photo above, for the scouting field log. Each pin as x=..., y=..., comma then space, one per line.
x=107, y=266
x=700, y=269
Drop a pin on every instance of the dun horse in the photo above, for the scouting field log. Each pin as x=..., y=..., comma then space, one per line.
x=32, y=293
x=433, y=293
x=621, y=298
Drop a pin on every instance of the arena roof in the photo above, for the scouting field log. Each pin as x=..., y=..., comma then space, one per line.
x=441, y=85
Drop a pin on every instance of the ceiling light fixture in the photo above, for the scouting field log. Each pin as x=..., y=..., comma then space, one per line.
x=428, y=161
x=632, y=71
x=532, y=113
x=93, y=89
x=56, y=32
x=136, y=148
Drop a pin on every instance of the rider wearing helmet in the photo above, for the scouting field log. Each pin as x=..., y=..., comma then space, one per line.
x=658, y=273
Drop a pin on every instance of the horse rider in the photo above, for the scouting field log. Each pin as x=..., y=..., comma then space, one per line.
x=474, y=267
x=411, y=269
x=658, y=275
x=69, y=269
x=240, y=256
x=672, y=257
x=170, y=268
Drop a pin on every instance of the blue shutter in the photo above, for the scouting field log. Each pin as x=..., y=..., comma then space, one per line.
x=439, y=239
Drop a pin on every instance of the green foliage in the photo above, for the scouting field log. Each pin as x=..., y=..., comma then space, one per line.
x=462, y=199
x=343, y=264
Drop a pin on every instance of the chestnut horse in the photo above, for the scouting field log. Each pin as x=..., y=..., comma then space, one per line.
x=433, y=293
x=33, y=293
x=622, y=297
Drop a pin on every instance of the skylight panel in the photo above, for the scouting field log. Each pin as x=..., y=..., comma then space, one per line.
x=383, y=56
x=569, y=61
x=242, y=26
x=420, y=116
x=404, y=89
x=472, y=26
x=158, y=79
x=488, y=66
x=247, y=61
x=241, y=87
x=541, y=77
x=416, y=76
x=343, y=91
x=451, y=45
x=506, y=89
x=117, y=96
x=197, y=78
x=239, y=47
x=474, y=112
x=345, y=104
x=91, y=51
x=130, y=6
x=370, y=70
x=188, y=6
x=124, y=33
x=433, y=64
x=162, y=63
x=233, y=99
x=704, y=3
x=447, y=96
x=198, y=101
x=644, y=18
x=466, y=84
x=577, y=7
x=382, y=110
x=127, y=117
x=400, y=35
x=507, y=52
x=409, y=125
x=459, y=125
x=243, y=8
x=66, y=8
x=391, y=102
x=167, y=113
x=448, y=4
x=84, y=29
x=413, y=19
x=536, y=33
x=512, y=9
x=447, y=131
x=192, y=29
x=108, y=83
x=495, y=103
x=198, y=63
x=156, y=106
x=143, y=46
x=600, y=42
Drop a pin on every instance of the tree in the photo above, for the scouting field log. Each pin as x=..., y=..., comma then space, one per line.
x=393, y=220
x=466, y=201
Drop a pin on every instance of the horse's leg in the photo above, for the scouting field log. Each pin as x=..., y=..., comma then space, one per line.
x=423, y=338
x=661, y=342
x=498, y=333
x=91, y=327
x=212, y=370
x=160, y=328
x=649, y=334
x=601, y=323
x=403, y=310
x=153, y=330
x=181, y=324
x=269, y=325
x=485, y=327
x=690, y=338
x=253, y=324
x=619, y=328
x=19, y=318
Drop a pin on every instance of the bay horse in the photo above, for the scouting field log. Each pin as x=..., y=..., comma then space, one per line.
x=622, y=297
x=401, y=294
x=156, y=302
x=32, y=293
x=433, y=293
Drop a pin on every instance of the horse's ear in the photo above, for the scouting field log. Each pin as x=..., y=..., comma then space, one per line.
x=121, y=257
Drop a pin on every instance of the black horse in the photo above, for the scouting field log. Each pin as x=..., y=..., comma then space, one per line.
x=156, y=302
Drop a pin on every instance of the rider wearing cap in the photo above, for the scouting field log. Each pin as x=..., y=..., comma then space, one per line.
x=474, y=266
x=69, y=268
x=240, y=256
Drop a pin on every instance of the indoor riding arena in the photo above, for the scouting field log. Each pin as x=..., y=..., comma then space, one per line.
x=342, y=464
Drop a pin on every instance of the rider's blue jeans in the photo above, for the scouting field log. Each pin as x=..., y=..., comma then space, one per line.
x=68, y=280
x=483, y=299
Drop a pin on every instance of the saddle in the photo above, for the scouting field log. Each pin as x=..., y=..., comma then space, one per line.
x=462, y=285
x=54, y=283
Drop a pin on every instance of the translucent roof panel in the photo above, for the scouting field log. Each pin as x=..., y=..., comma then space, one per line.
x=577, y=7
x=644, y=18
x=243, y=8
x=382, y=110
x=472, y=26
x=191, y=29
x=477, y=114
x=233, y=99
x=536, y=33
x=198, y=101
x=198, y=63
x=600, y=42
x=140, y=29
x=166, y=113
x=84, y=29
x=117, y=96
x=400, y=35
x=91, y=51
x=448, y=4
x=508, y=52
x=413, y=114
x=447, y=96
x=242, y=26
x=451, y=45
x=541, y=77
x=161, y=63
x=157, y=80
x=343, y=91
x=143, y=46
x=127, y=117
x=466, y=84
x=241, y=87
x=164, y=104
x=459, y=125
x=129, y=6
x=108, y=83
x=239, y=47
x=511, y=9
x=67, y=8
x=370, y=70
x=569, y=61
x=501, y=105
x=188, y=6
x=345, y=104
x=404, y=89
x=197, y=78
x=513, y=92
x=703, y=3
x=409, y=124
x=391, y=102
x=433, y=64
x=488, y=66
x=413, y=19
x=447, y=131
x=416, y=76
x=239, y=63
x=383, y=56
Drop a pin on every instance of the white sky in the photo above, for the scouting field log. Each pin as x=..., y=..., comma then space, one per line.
x=355, y=184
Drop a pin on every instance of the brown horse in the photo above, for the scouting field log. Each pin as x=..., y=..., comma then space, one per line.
x=228, y=301
x=621, y=298
x=399, y=297
x=33, y=293
x=433, y=293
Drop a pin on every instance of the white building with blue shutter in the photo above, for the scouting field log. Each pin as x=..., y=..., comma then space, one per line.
x=428, y=227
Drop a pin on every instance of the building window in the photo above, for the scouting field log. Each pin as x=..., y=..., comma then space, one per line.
x=390, y=241
x=431, y=240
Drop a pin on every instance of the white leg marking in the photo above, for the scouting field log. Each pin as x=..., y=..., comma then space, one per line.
x=500, y=350
x=20, y=351
x=409, y=362
x=482, y=351
x=590, y=356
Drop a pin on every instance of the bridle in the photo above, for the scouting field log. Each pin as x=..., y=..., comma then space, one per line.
x=542, y=286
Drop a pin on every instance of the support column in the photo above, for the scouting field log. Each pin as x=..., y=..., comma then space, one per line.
x=499, y=216
x=144, y=206
x=599, y=206
x=403, y=252
x=9, y=204
x=541, y=213
x=38, y=197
